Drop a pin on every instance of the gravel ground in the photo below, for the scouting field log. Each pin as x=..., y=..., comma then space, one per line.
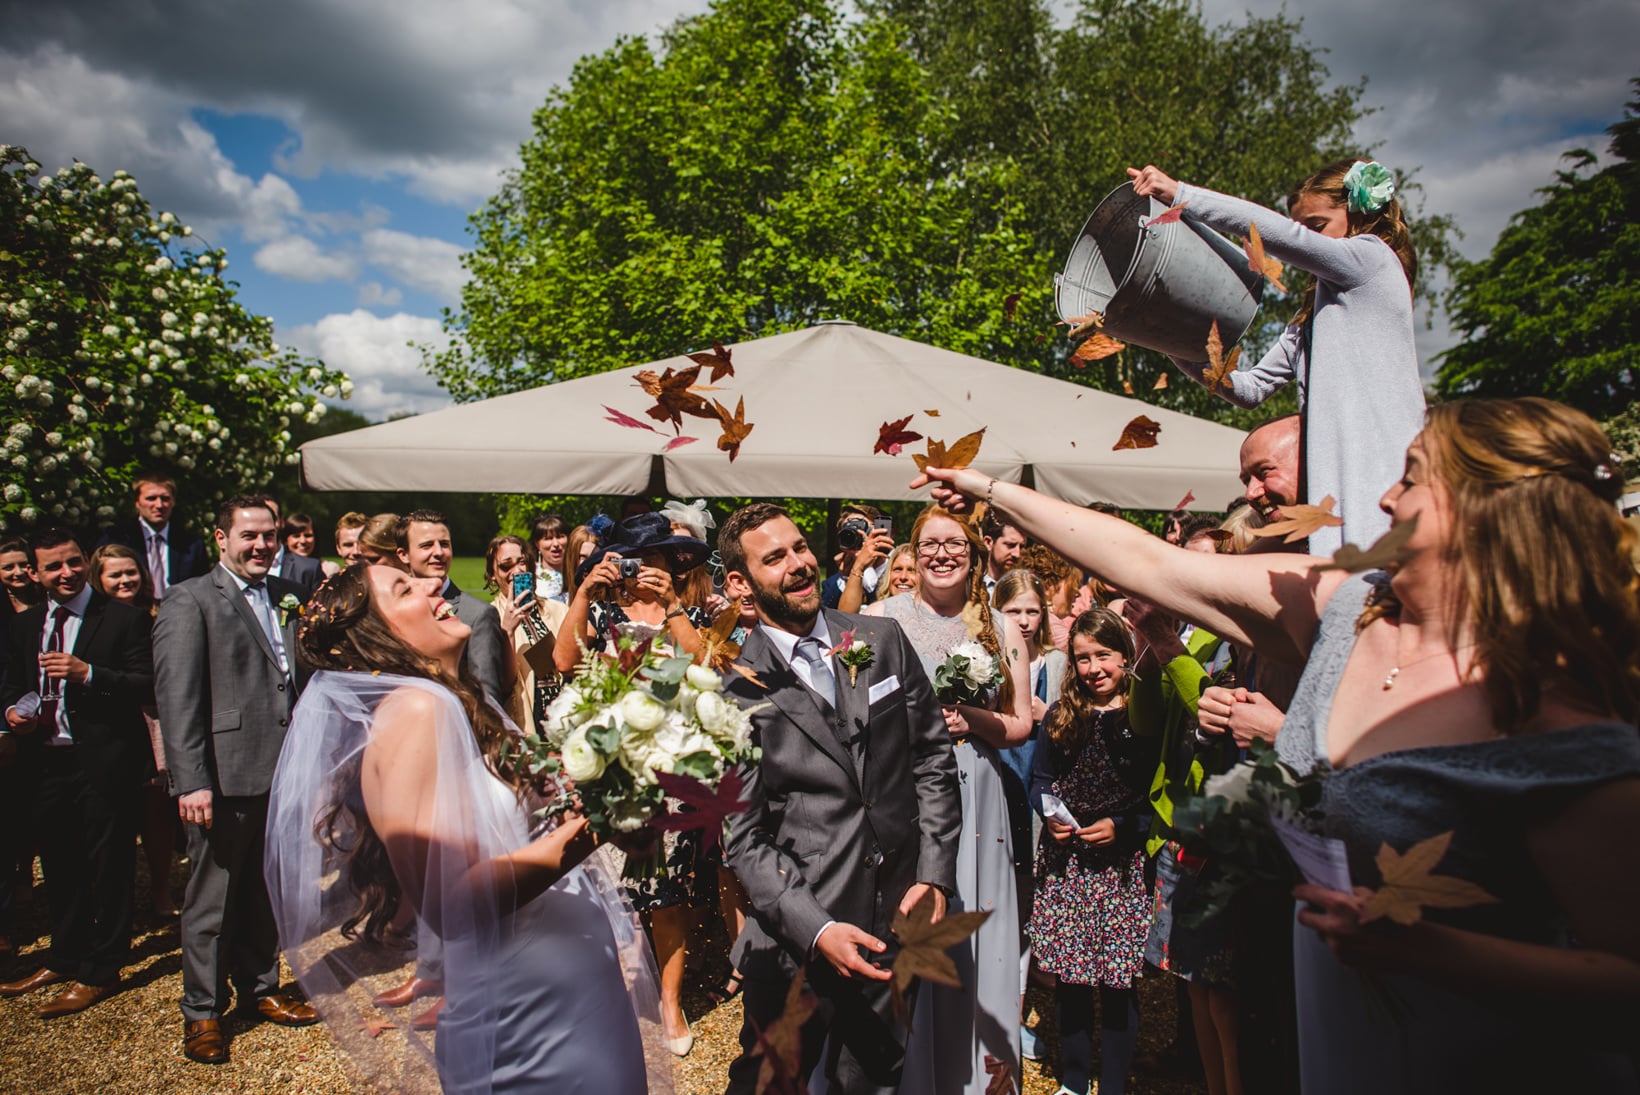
x=132, y=1042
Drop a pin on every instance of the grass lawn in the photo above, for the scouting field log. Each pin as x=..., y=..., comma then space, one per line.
x=467, y=571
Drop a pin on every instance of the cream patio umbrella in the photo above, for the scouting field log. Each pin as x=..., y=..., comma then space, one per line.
x=817, y=398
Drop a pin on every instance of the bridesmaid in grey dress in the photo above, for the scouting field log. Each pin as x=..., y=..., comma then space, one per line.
x=953, y=1031
x=1489, y=691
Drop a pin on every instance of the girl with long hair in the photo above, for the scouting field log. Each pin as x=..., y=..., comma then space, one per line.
x=1350, y=347
x=954, y=1030
x=531, y=622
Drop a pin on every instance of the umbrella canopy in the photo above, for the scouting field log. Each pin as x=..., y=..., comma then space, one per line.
x=817, y=398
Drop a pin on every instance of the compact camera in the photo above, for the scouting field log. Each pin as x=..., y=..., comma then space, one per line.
x=628, y=567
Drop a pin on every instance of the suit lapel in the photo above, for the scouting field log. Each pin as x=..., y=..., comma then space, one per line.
x=88, y=626
x=800, y=706
x=229, y=588
x=853, y=713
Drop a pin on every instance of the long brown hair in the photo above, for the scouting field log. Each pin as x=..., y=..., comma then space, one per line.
x=342, y=631
x=1387, y=222
x=1547, y=619
x=578, y=535
x=976, y=611
x=99, y=562
x=1072, y=718
x=1022, y=581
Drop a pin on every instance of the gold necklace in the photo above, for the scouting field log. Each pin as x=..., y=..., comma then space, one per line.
x=1395, y=671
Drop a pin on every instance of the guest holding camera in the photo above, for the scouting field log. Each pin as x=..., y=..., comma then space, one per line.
x=866, y=537
x=531, y=621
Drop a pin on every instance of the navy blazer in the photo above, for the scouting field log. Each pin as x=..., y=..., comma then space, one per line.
x=187, y=555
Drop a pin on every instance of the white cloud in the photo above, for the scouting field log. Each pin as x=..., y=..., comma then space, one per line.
x=379, y=354
x=373, y=295
x=433, y=265
x=300, y=259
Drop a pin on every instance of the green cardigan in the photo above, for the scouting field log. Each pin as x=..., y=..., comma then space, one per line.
x=1168, y=699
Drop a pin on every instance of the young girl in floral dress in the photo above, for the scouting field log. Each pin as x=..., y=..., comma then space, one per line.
x=1092, y=908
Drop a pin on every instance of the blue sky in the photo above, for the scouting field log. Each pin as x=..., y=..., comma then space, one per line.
x=336, y=149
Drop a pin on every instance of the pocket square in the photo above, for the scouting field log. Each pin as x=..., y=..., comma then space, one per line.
x=881, y=689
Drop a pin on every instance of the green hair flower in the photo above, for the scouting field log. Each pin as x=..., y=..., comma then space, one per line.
x=1368, y=187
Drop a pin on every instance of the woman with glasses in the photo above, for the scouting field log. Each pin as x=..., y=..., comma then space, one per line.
x=950, y=607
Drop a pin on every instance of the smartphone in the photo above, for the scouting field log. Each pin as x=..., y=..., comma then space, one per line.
x=886, y=524
x=523, y=582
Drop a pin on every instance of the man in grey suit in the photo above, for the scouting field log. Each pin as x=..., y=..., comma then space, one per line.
x=424, y=547
x=306, y=572
x=224, y=662
x=854, y=810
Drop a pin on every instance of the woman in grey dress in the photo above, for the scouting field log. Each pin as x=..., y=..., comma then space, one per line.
x=1488, y=691
x=953, y=1031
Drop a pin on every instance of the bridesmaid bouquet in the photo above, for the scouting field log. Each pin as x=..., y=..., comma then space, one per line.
x=969, y=675
x=634, y=728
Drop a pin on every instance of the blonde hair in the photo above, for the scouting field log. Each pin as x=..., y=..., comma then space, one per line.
x=1240, y=523
x=1011, y=585
x=888, y=569
x=1387, y=222
x=1521, y=474
x=976, y=611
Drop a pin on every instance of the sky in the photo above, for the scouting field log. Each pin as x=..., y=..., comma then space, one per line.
x=337, y=149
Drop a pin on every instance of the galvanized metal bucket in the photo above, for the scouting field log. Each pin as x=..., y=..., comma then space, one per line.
x=1159, y=287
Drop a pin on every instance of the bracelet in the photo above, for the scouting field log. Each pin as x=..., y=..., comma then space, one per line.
x=675, y=613
x=989, y=487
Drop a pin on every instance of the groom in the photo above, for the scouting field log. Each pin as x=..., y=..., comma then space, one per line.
x=854, y=810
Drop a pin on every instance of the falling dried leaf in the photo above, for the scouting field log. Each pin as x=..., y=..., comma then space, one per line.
x=1002, y=1076
x=1082, y=326
x=717, y=650
x=844, y=641
x=1184, y=503
x=679, y=442
x=717, y=359
x=1411, y=886
x=892, y=435
x=1386, y=551
x=959, y=455
x=627, y=420
x=1219, y=367
x=1167, y=217
x=1161, y=383
x=673, y=398
x=932, y=414
x=749, y=673
x=1127, y=387
x=1009, y=303
x=780, y=1044
x=1097, y=348
x=1259, y=262
x=923, y=945
x=735, y=427
x=708, y=808
x=1298, y=522
x=1138, y=434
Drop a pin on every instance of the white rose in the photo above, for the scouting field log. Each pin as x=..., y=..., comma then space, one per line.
x=561, y=712
x=981, y=669
x=1236, y=785
x=704, y=678
x=641, y=711
x=713, y=712
x=581, y=761
x=641, y=758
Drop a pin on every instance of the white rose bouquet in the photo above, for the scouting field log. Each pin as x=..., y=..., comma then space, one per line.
x=969, y=675
x=632, y=730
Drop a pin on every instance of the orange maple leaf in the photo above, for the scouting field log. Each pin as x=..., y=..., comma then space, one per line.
x=735, y=427
x=1260, y=263
x=1411, y=886
x=1097, y=348
x=1219, y=367
x=961, y=453
x=716, y=359
x=1298, y=522
x=1138, y=434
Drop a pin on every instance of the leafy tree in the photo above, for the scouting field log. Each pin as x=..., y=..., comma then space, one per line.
x=125, y=349
x=1554, y=310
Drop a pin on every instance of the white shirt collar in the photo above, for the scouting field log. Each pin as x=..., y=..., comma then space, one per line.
x=151, y=531
x=786, y=643
x=75, y=604
x=237, y=580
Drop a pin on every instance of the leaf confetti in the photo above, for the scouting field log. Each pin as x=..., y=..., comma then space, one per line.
x=679, y=442
x=1002, y=1076
x=923, y=946
x=707, y=808
x=780, y=1044
x=1219, y=367
x=717, y=359
x=1386, y=551
x=959, y=455
x=1298, y=522
x=1009, y=304
x=672, y=394
x=1167, y=216
x=1411, y=886
x=1260, y=263
x=1138, y=434
x=622, y=419
x=1097, y=348
x=892, y=435
x=735, y=427
x=1082, y=326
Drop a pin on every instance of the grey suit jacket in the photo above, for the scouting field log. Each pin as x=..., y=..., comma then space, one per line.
x=304, y=572
x=224, y=704
x=487, y=649
x=847, y=811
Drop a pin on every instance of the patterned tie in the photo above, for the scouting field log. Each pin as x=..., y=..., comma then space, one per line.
x=820, y=678
x=262, y=605
x=51, y=691
x=156, y=563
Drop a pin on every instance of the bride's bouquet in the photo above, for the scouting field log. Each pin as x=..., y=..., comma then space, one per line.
x=632, y=729
x=969, y=675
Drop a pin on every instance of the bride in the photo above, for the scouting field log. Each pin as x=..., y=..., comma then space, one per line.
x=394, y=802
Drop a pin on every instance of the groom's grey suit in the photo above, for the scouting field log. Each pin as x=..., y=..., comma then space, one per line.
x=224, y=706
x=851, y=805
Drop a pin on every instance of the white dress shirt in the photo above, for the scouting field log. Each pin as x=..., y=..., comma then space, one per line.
x=262, y=607
x=61, y=734
x=162, y=534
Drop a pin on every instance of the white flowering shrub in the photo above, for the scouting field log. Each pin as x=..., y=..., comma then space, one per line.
x=122, y=347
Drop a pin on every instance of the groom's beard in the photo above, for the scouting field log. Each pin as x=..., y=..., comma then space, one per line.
x=789, y=612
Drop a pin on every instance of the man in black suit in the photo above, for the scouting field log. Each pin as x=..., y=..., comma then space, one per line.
x=85, y=665
x=305, y=572
x=167, y=551
x=854, y=809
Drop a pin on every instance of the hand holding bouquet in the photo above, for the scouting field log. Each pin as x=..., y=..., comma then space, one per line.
x=969, y=675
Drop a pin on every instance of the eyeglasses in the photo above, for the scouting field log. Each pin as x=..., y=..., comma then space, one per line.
x=930, y=548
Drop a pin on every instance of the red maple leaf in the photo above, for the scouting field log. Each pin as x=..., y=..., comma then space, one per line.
x=1167, y=217
x=627, y=420
x=678, y=442
x=844, y=641
x=1189, y=497
x=717, y=360
x=707, y=808
x=892, y=435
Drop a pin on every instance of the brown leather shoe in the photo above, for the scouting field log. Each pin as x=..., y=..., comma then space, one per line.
x=287, y=1011
x=39, y=979
x=428, y=1020
x=413, y=989
x=77, y=997
x=203, y=1041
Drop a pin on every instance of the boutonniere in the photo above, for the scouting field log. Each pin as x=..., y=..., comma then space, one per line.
x=853, y=653
x=288, y=604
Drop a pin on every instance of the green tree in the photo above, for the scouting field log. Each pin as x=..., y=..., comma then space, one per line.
x=126, y=349
x=1554, y=310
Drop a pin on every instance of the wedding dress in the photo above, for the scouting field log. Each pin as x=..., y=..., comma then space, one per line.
x=558, y=995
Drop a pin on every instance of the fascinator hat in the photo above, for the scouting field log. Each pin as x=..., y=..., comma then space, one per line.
x=642, y=534
x=693, y=516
